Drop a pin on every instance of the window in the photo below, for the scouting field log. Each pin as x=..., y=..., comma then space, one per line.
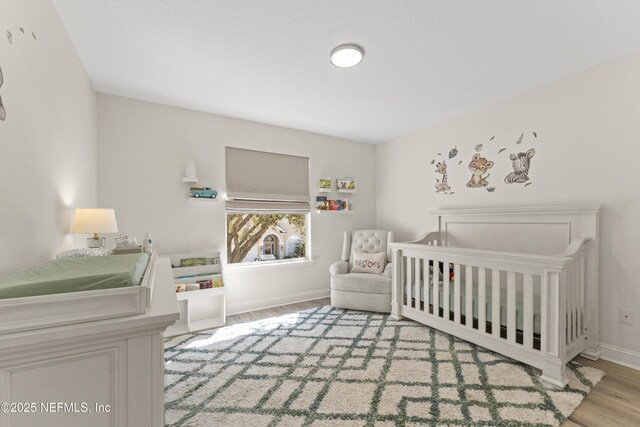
x=267, y=213
x=256, y=237
x=295, y=247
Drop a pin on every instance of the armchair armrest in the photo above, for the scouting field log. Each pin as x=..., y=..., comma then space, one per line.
x=340, y=267
x=388, y=271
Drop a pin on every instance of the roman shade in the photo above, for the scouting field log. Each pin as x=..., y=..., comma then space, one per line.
x=266, y=182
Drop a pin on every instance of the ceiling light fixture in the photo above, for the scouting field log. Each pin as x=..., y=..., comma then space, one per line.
x=347, y=55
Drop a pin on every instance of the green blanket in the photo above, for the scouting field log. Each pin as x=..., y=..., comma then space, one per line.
x=74, y=275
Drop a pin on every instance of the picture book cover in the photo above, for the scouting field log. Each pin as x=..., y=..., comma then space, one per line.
x=321, y=203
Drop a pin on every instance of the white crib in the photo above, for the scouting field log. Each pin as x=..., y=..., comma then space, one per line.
x=525, y=282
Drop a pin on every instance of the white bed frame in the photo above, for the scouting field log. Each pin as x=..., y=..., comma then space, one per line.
x=549, y=253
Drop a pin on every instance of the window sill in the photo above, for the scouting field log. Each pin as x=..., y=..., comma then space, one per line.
x=259, y=265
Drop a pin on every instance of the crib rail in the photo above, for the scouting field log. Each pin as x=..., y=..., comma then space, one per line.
x=521, y=305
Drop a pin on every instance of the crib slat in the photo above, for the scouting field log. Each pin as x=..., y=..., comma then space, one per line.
x=426, y=289
x=468, y=311
x=544, y=311
x=416, y=279
x=527, y=319
x=456, y=293
x=482, y=297
x=409, y=283
x=495, y=303
x=582, y=295
x=577, y=285
x=573, y=298
x=436, y=287
x=511, y=306
x=570, y=279
x=446, y=302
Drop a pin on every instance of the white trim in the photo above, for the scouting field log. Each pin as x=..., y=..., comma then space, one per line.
x=268, y=264
x=620, y=356
x=277, y=301
x=559, y=209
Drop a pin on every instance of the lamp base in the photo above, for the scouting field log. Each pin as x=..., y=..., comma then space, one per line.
x=93, y=242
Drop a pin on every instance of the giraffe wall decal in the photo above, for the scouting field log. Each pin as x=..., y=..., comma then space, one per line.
x=442, y=186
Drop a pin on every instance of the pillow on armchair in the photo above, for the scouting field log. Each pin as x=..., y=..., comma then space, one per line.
x=369, y=262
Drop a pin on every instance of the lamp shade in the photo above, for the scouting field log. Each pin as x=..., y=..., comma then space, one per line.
x=89, y=221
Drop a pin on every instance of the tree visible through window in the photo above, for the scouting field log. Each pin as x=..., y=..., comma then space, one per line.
x=265, y=237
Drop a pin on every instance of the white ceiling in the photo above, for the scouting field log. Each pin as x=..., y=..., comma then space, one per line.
x=268, y=61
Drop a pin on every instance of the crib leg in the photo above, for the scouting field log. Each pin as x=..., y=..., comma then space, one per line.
x=592, y=351
x=395, y=310
x=554, y=374
x=396, y=285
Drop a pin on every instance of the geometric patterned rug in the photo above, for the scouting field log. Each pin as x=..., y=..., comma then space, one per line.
x=332, y=367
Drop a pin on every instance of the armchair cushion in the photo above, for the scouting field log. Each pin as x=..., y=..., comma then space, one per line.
x=340, y=267
x=365, y=283
x=388, y=271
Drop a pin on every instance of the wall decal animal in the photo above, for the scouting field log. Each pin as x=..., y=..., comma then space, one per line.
x=442, y=186
x=521, y=164
x=478, y=167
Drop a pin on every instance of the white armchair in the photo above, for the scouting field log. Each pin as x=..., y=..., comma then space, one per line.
x=362, y=291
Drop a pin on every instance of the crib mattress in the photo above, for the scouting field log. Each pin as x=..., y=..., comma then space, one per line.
x=488, y=304
x=74, y=275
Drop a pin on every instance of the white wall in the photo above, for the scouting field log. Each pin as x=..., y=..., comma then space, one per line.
x=48, y=140
x=588, y=151
x=143, y=149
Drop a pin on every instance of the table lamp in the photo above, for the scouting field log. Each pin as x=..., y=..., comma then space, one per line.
x=94, y=221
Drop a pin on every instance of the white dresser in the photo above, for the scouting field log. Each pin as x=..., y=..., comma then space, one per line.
x=97, y=373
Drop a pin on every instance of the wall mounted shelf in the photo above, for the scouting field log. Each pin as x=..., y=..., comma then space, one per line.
x=201, y=199
x=187, y=179
x=347, y=191
x=335, y=212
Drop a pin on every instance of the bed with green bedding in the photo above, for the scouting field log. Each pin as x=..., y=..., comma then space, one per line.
x=76, y=290
x=75, y=275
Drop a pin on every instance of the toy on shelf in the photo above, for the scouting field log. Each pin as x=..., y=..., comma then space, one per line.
x=199, y=192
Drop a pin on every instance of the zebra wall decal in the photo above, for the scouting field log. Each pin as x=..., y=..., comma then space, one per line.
x=521, y=164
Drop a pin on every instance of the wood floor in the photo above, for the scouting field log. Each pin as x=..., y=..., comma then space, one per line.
x=615, y=401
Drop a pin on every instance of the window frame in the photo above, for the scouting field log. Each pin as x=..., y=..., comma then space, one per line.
x=307, y=260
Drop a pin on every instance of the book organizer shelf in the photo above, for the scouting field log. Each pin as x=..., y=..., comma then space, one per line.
x=197, y=278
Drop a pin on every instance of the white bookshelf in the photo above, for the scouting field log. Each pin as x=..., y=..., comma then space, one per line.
x=199, y=309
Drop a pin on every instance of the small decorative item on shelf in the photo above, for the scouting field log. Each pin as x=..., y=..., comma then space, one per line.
x=198, y=192
x=346, y=185
x=126, y=245
x=325, y=184
x=147, y=244
x=190, y=173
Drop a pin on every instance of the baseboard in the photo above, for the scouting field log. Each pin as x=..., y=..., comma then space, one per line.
x=621, y=356
x=277, y=301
